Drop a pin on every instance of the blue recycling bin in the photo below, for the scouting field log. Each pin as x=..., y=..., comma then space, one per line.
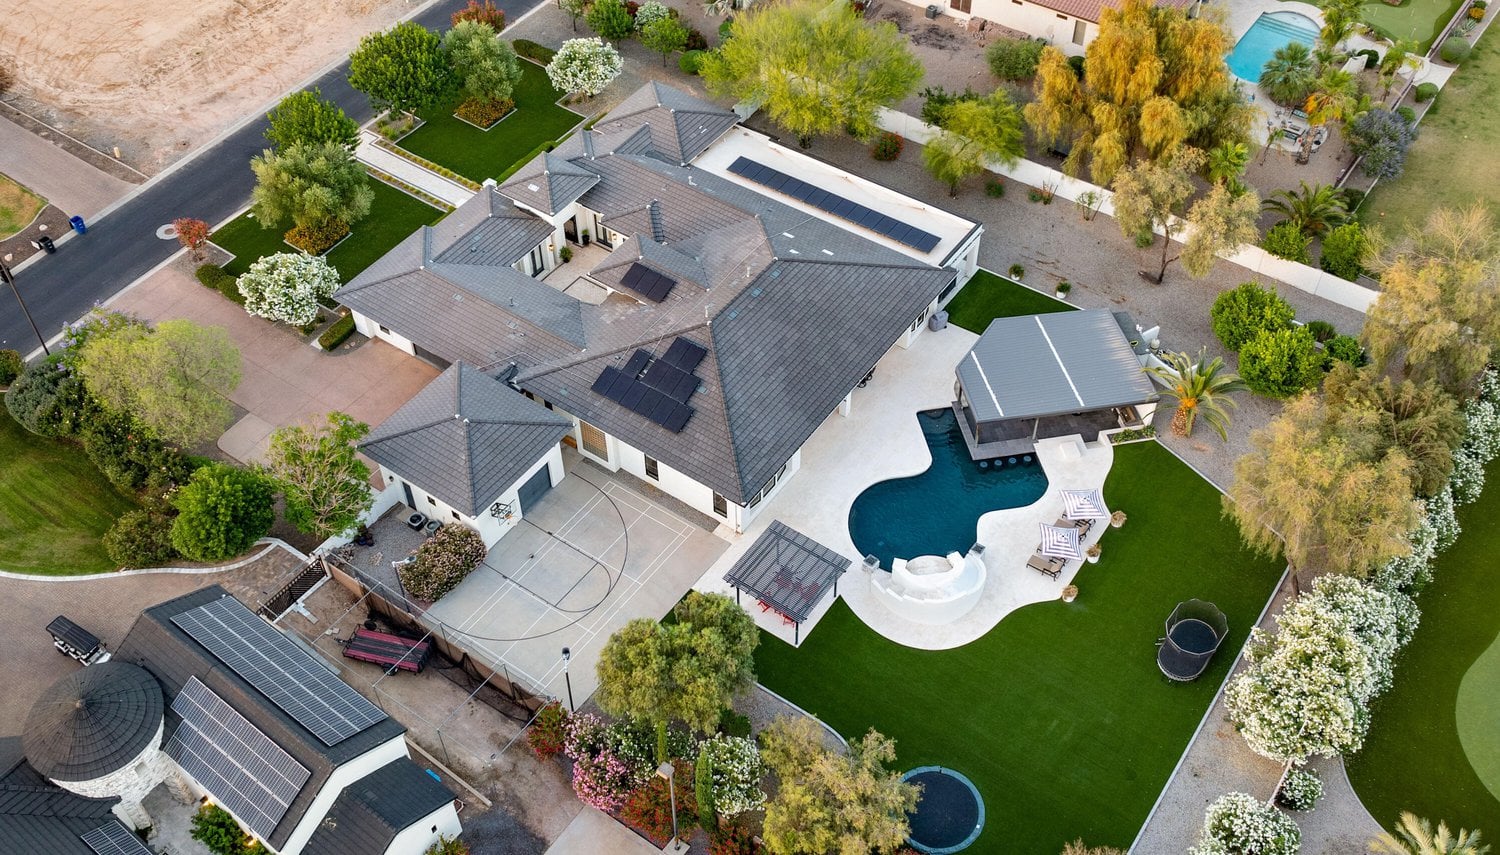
x=78, y=225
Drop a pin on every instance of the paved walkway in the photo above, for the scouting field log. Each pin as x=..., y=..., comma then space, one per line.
x=593, y=833
x=283, y=381
x=76, y=187
x=414, y=174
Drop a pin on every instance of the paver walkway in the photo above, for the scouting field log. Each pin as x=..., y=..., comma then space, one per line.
x=76, y=187
x=417, y=176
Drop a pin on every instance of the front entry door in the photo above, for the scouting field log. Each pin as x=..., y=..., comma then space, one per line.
x=535, y=488
x=410, y=502
x=570, y=230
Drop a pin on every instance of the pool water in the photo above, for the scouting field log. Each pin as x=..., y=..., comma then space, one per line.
x=936, y=512
x=1270, y=32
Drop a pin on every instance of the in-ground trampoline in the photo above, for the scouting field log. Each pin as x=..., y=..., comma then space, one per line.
x=1194, y=632
x=950, y=815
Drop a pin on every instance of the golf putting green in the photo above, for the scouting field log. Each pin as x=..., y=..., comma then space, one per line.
x=1479, y=717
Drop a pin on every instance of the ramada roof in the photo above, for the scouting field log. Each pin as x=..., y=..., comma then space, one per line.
x=1091, y=10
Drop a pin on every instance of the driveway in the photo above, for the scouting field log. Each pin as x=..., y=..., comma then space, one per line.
x=592, y=556
x=283, y=380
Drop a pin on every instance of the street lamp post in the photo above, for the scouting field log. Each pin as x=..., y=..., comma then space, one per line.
x=10, y=279
x=666, y=770
x=568, y=654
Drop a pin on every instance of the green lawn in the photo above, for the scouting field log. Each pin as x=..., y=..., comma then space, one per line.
x=1059, y=715
x=988, y=296
x=1414, y=758
x=1454, y=162
x=54, y=506
x=477, y=154
x=18, y=207
x=1418, y=20
x=394, y=215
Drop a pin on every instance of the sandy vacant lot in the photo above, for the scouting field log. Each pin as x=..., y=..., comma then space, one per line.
x=158, y=77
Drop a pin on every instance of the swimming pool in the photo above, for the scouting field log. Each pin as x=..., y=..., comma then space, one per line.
x=935, y=513
x=1271, y=31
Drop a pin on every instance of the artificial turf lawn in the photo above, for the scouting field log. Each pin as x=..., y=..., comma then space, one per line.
x=1418, y=20
x=988, y=296
x=18, y=206
x=1059, y=714
x=394, y=215
x=54, y=506
x=476, y=154
x=1414, y=757
x=1454, y=162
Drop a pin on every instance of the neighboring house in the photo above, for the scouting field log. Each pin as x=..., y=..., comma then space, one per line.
x=210, y=700
x=1068, y=25
x=747, y=290
x=38, y=816
x=1040, y=376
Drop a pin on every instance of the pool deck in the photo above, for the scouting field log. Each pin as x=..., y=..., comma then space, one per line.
x=881, y=439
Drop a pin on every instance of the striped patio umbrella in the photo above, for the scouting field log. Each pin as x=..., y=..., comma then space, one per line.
x=1084, y=505
x=1060, y=542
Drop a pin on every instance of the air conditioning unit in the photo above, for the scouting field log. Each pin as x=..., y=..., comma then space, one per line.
x=432, y=527
x=417, y=520
x=934, y=11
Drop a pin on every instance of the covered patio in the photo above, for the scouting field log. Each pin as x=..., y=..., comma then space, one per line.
x=788, y=573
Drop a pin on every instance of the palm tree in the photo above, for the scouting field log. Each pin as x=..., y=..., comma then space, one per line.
x=1227, y=161
x=1201, y=387
x=1335, y=97
x=1340, y=19
x=1314, y=210
x=1289, y=75
x=1402, y=54
x=1415, y=836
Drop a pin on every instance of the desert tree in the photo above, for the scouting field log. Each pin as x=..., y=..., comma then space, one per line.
x=482, y=13
x=307, y=117
x=401, y=69
x=666, y=36
x=325, y=484
x=975, y=134
x=486, y=66
x=816, y=68
x=1422, y=420
x=584, y=65
x=1223, y=221
x=192, y=234
x=1152, y=194
x=1202, y=389
x=319, y=189
x=575, y=9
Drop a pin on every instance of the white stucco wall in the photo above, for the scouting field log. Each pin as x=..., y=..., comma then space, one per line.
x=1027, y=17
x=343, y=776
x=490, y=528
x=371, y=329
x=417, y=837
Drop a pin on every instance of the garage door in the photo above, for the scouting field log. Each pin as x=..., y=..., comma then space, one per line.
x=535, y=488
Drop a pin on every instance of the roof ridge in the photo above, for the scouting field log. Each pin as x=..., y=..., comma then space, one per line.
x=544, y=370
x=411, y=430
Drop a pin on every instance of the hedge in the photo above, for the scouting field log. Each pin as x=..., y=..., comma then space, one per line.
x=338, y=333
x=1455, y=50
x=1426, y=92
x=533, y=51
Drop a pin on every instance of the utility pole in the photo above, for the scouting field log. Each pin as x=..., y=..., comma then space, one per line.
x=9, y=278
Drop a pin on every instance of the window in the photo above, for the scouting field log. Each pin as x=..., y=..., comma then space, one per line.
x=535, y=260
x=432, y=501
x=770, y=485
x=1080, y=28
x=721, y=506
x=1064, y=17
x=384, y=329
x=960, y=5
x=653, y=469
x=594, y=441
x=917, y=324
x=457, y=517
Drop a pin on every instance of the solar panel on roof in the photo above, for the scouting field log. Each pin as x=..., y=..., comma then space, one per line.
x=667, y=379
x=685, y=354
x=637, y=362
x=677, y=419
x=648, y=283
x=289, y=676
x=633, y=276
x=114, y=839
x=923, y=241
x=239, y=765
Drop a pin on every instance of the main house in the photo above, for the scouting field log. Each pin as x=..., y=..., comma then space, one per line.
x=211, y=701
x=1068, y=25
x=737, y=293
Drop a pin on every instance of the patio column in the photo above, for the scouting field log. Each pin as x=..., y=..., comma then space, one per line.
x=846, y=404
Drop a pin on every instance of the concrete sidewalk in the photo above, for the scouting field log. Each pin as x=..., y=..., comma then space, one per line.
x=414, y=174
x=76, y=187
x=593, y=833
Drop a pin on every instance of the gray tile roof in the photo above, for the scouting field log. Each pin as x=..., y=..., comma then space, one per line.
x=1043, y=365
x=682, y=126
x=369, y=813
x=92, y=722
x=500, y=240
x=172, y=656
x=465, y=438
x=549, y=183
x=37, y=816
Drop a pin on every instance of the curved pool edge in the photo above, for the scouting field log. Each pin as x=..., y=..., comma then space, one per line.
x=978, y=800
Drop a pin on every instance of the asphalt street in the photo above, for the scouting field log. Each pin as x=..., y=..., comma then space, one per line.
x=122, y=246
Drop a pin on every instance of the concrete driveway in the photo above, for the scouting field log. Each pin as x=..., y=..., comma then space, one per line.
x=593, y=555
x=283, y=380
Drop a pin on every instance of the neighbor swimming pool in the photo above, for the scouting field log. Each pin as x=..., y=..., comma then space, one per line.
x=934, y=513
x=1270, y=32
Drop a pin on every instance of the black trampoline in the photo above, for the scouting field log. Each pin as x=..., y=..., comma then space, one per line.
x=950, y=814
x=1194, y=632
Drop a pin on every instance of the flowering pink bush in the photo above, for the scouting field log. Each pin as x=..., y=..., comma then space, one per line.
x=602, y=781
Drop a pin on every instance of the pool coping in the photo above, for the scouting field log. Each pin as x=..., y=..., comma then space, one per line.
x=978, y=799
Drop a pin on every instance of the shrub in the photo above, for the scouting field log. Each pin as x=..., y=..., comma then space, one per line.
x=1243, y=313
x=732, y=723
x=1321, y=330
x=483, y=113
x=936, y=100
x=211, y=276
x=584, y=65
x=443, y=561
x=650, y=12
x=601, y=780
x=222, y=512
x=11, y=366
x=1078, y=64
x=994, y=188
x=129, y=456
x=1476, y=13
x=1353, y=196
x=1455, y=50
x=485, y=14
x=1426, y=92
x=1407, y=115
x=287, y=286
x=1014, y=59
x=1345, y=348
x=140, y=539
x=1300, y=790
x=533, y=51
x=696, y=40
x=219, y=833
x=48, y=399
x=1286, y=240
x=1238, y=824
x=1281, y=363
x=548, y=730
x=316, y=238
x=1343, y=251
x=338, y=333
x=736, y=770
x=446, y=845
x=690, y=61
x=887, y=146
x=1372, y=57
x=732, y=839
x=1381, y=138
x=726, y=29
x=1016, y=271
x=610, y=19
x=649, y=808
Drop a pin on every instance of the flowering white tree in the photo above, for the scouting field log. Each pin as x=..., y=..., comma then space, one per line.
x=287, y=286
x=736, y=770
x=584, y=65
x=1239, y=824
x=650, y=11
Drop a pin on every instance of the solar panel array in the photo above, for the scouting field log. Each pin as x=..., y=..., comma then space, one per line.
x=247, y=773
x=285, y=673
x=648, y=283
x=658, y=390
x=114, y=839
x=835, y=204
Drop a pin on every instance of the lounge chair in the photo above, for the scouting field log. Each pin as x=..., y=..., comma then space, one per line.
x=1083, y=526
x=1050, y=566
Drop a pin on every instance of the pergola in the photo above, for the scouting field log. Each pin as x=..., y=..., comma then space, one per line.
x=787, y=572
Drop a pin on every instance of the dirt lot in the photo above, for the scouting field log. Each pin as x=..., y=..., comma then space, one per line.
x=159, y=77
